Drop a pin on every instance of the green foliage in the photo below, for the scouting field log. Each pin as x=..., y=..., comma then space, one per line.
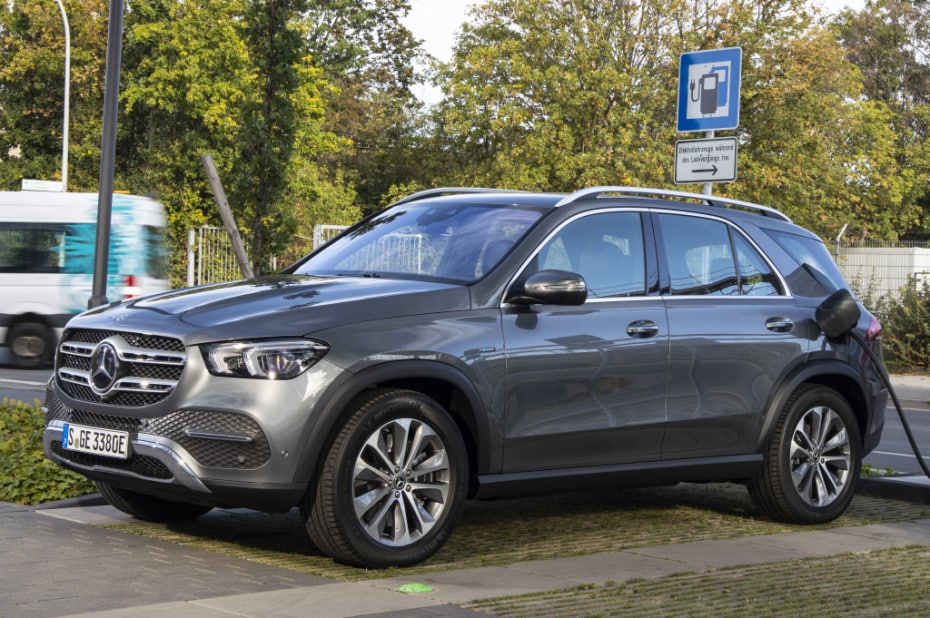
x=906, y=324
x=887, y=42
x=26, y=475
x=368, y=55
x=32, y=91
x=307, y=109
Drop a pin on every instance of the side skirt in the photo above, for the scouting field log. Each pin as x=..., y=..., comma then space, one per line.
x=730, y=468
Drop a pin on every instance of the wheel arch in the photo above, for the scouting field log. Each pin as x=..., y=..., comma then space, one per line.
x=25, y=318
x=444, y=383
x=834, y=374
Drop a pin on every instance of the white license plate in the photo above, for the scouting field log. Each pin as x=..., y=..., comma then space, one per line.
x=106, y=442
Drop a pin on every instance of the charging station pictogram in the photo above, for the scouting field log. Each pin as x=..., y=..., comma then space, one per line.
x=708, y=93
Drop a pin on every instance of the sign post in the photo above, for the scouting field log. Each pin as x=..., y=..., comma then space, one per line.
x=708, y=100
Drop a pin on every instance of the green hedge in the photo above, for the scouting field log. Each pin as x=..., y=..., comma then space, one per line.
x=26, y=475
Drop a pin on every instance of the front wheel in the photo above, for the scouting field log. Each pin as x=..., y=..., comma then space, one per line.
x=392, y=484
x=813, y=459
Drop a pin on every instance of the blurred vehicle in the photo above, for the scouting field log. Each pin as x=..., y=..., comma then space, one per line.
x=47, y=246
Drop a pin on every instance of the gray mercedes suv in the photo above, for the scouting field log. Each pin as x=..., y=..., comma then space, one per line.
x=476, y=343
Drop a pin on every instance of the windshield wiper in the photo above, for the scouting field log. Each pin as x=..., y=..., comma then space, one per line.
x=368, y=275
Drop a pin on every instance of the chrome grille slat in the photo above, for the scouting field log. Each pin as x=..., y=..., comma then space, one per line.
x=151, y=366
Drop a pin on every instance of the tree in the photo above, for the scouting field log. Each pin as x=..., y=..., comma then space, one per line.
x=547, y=94
x=812, y=147
x=32, y=91
x=186, y=74
x=368, y=56
x=227, y=78
x=276, y=49
x=888, y=41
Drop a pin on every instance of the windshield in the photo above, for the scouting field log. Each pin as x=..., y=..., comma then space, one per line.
x=439, y=240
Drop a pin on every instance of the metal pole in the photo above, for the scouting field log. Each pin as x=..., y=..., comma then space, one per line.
x=65, y=125
x=232, y=230
x=107, y=154
x=709, y=186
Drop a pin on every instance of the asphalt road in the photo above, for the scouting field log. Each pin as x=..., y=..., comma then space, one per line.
x=23, y=385
x=894, y=452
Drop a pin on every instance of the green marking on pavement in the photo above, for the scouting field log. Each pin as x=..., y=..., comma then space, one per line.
x=413, y=588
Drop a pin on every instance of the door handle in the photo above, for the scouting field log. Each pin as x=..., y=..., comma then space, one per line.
x=642, y=329
x=779, y=325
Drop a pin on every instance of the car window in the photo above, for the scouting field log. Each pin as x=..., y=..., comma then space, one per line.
x=445, y=241
x=755, y=276
x=604, y=248
x=817, y=274
x=703, y=258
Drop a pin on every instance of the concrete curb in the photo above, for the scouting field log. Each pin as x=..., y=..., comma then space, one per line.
x=909, y=487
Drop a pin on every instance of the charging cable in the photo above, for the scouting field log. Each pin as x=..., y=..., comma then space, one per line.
x=894, y=398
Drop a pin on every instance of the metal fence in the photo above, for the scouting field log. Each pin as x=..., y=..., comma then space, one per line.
x=322, y=233
x=879, y=268
x=210, y=256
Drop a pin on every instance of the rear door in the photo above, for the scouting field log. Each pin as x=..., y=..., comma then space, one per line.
x=733, y=333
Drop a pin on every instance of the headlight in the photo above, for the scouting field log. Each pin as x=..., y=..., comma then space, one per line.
x=269, y=360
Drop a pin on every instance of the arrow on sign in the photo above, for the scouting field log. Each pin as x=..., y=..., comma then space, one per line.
x=712, y=171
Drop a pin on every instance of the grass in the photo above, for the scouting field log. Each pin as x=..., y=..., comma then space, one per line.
x=495, y=533
x=892, y=582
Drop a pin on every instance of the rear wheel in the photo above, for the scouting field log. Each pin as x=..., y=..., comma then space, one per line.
x=392, y=484
x=813, y=459
x=149, y=508
x=31, y=344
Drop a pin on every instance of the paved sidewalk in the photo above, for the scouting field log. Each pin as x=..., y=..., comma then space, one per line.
x=46, y=556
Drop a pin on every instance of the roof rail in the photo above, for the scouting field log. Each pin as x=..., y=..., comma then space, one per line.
x=710, y=200
x=422, y=195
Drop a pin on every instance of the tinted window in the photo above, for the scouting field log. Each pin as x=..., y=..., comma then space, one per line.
x=703, y=258
x=606, y=249
x=31, y=248
x=755, y=276
x=817, y=274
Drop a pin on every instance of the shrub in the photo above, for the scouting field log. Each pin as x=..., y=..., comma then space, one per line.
x=906, y=324
x=26, y=475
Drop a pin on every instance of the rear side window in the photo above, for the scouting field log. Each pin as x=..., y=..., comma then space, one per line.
x=817, y=274
x=705, y=257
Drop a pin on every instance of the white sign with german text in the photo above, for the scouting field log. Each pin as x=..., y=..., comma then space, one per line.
x=705, y=160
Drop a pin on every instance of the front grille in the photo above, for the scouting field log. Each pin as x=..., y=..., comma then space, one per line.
x=138, y=464
x=147, y=370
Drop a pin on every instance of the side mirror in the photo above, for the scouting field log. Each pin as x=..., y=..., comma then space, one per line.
x=549, y=287
x=837, y=314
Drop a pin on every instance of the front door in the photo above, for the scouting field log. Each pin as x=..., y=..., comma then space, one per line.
x=586, y=385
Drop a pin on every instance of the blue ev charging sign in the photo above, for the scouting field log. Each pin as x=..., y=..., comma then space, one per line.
x=708, y=92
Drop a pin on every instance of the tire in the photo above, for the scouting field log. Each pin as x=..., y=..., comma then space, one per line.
x=367, y=509
x=149, y=508
x=813, y=459
x=31, y=344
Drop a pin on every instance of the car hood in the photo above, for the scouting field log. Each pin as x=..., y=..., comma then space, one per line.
x=277, y=306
